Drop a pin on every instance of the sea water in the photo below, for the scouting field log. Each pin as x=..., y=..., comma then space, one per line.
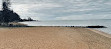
x=104, y=22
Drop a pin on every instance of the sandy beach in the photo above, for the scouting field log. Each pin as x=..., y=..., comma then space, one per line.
x=53, y=38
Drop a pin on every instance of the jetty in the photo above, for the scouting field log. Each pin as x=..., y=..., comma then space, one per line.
x=88, y=26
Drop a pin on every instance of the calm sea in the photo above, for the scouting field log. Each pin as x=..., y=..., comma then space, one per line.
x=105, y=22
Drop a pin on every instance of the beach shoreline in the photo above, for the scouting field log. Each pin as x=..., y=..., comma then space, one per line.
x=100, y=32
x=53, y=38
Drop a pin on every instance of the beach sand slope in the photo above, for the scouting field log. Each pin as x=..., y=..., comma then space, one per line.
x=53, y=38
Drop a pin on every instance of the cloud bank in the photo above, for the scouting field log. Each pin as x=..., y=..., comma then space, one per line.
x=63, y=9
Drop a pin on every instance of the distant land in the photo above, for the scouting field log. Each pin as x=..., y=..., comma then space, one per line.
x=7, y=15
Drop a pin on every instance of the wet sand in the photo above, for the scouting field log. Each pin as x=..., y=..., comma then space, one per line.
x=53, y=38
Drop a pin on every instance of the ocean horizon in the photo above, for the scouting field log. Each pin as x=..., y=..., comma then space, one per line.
x=101, y=22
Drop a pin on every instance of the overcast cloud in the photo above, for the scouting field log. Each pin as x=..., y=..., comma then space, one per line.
x=63, y=9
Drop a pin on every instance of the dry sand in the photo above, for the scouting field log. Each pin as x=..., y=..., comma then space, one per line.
x=53, y=38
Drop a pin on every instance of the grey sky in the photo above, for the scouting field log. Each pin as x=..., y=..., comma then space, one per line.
x=63, y=9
